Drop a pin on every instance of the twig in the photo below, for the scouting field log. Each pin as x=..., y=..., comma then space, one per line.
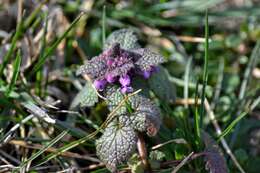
x=81, y=53
x=53, y=150
x=177, y=141
x=20, y=11
x=5, y=168
x=188, y=101
x=11, y=158
x=16, y=126
x=143, y=152
x=4, y=160
x=183, y=162
x=94, y=166
x=186, y=38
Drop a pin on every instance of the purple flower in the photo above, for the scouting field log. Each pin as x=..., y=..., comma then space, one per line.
x=100, y=84
x=110, y=62
x=126, y=89
x=146, y=74
x=110, y=78
x=116, y=62
x=125, y=80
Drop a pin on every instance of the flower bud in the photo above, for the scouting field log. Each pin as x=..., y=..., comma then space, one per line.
x=100, y=84
x=126, y=89
x=110, y=78
x=146, y=74
x=125, y=80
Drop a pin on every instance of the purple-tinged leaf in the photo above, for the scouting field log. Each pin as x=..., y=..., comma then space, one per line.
x=114, y=97
x=161, y=86
x=117, y=143
x=214, y=158
x=125, y=37
x=148, y=59
x=94, y=68
x=146, y=115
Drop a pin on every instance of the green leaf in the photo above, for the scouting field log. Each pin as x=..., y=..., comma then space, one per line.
x=125, y=37
x=148, y=59
x=145, y=116
x=157, y=155
x=87, y=97
x=161, y=86
x=117, y=143
x=114, y=97
x=10, y=52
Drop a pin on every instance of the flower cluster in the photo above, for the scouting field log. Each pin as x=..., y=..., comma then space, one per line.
x=115, y=72
x=118, y=65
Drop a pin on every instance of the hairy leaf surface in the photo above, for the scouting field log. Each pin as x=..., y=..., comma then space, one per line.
x=114, y=97
x=87, y=97
x=148, y=59
x=161, y=86
x=146, y=115
x=215, y=160
x=95, y=67
x=117, y=143
x=125, y=37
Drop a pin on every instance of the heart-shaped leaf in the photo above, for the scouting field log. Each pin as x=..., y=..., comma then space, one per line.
x=146, y=115
x=87, y=97
x=161, y=86
x=117, y=143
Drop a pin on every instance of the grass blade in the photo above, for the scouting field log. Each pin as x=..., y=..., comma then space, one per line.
x=49, y=51
x=197, y=118
x=68, y=147
x=17, y=65
x=186, y=79
x=37, y=154
x=235, y=121
x=13, y=46
x=33, y=15
x=246, y=79
x=39, y=74
x=205, y=68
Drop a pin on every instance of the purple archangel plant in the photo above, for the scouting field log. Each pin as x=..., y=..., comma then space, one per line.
x=122, y=68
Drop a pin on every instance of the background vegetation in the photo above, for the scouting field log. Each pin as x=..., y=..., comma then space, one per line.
x=44, y=42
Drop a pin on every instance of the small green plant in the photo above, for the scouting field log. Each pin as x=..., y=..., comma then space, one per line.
x=123, y=68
